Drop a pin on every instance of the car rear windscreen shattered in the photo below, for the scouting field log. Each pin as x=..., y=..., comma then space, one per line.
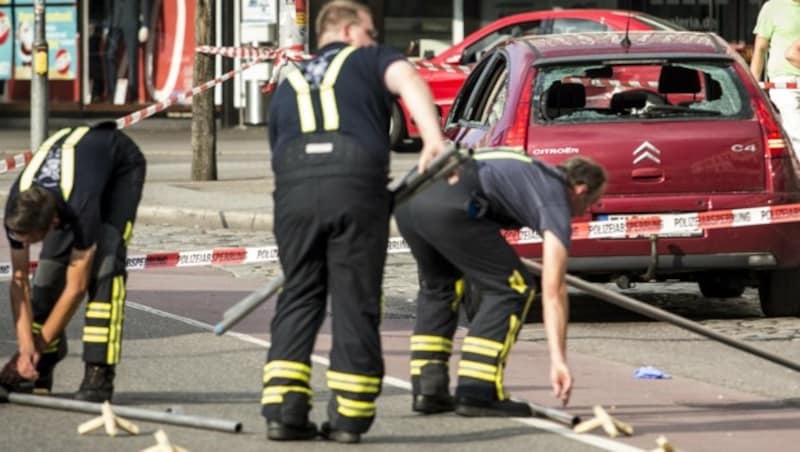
x=632, y=90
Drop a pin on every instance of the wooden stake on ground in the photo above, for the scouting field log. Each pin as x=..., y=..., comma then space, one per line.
x=612, y=426
x=110, y=421
x=664, y=445
x=163, y=444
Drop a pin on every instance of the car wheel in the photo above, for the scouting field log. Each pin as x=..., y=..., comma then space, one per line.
x=397, y=127
x=779, y=293
x=721, y=285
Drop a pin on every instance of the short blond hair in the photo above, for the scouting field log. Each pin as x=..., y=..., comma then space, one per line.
x=337, y=13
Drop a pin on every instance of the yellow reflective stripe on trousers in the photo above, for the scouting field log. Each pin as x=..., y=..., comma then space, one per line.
x=305, y=109
x=327, y=97
x=426, y=343
x=128, y=233
x=26, y=179
x=354, y=408
x=459, y=287
x=115, y=326
x=517, y=282
x=68, y=160
x=95, y=334
x=287, y=369
x=353, y=383
x=479, y=371
x=274, y=394
x=98, y=310
x=481, y=346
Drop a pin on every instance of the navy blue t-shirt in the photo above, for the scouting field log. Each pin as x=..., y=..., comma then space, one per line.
x=532, y=194
x=363, y=101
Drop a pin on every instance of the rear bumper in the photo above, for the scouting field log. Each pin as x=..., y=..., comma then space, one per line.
x=746, y=248
x=672, y=264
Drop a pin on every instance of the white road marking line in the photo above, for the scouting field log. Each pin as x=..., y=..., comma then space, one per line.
x=548, y=426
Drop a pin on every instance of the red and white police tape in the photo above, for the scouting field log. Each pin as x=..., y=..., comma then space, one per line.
x=636, y=226
x=779, y=85
x=18, y=161
x=444, y=67
x=267, y=53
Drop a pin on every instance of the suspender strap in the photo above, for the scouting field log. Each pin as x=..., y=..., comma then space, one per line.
x=68, y=160
x=330, y=111
x=26, y=179
x=305, y=107
x=305, y=110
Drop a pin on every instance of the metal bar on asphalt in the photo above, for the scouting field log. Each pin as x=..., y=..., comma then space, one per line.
x=652, y=312
x=184, y=420
x=403, y=188
x=241, y=309
x=553, y=414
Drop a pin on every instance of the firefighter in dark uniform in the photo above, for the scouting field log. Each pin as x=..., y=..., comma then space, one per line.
x=127, y=21
x=79, y=195
x=454, y=232
x=328, y=133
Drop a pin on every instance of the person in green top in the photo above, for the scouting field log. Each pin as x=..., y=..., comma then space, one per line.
x=777, y=27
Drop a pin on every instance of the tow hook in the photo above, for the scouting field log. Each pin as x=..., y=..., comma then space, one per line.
x=651, y=269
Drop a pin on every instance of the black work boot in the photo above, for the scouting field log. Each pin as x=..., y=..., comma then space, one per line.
x=278, y=431
x=340, y=436
x=432, y=404
x=431, y=393
x=98, y=383
x=471, y=407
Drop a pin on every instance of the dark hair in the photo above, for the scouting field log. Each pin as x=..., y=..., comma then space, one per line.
x=32, y=211
x=583, y=170
x=337, y=13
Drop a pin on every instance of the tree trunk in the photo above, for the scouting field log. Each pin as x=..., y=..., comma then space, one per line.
x=204, y=131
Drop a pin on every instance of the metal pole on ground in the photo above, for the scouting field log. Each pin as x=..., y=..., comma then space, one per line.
x=39, y=88
x=207, y=423
x=652, y=312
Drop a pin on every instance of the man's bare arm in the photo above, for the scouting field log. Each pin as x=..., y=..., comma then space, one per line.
x=77, y=281
x=555, y=312
x=402, y=79
x=759, y=56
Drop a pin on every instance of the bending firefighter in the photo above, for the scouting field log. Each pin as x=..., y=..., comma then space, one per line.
x=454, y=232
x=79, y=195
x=329, y=135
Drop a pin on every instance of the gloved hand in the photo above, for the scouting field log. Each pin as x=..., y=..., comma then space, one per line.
x=143, y=34
x=10, y=376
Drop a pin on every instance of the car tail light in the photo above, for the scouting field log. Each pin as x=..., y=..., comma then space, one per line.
x=518, y=132
x=774, y=142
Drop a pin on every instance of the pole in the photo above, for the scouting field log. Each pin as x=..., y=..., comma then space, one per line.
x=553, y=414
x=652, y=312
x=184, y=420
x=228, y=110
x=244, y=307
x=39, y=88
x=204, y=130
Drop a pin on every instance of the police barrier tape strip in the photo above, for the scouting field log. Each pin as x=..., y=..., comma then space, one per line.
x=635, y=226
x=444, y=67
x=779, y=85
x=18, y=161
x=146, y=112
x=267, y=53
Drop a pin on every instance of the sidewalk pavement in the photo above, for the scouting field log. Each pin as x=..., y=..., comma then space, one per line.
x=241, y=198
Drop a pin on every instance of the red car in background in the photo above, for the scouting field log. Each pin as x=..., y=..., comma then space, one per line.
x=681, y=127
x=446, y=72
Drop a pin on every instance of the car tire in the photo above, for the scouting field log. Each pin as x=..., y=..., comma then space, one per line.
x=722, y=285
x=397, y=128
x=779, y=293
